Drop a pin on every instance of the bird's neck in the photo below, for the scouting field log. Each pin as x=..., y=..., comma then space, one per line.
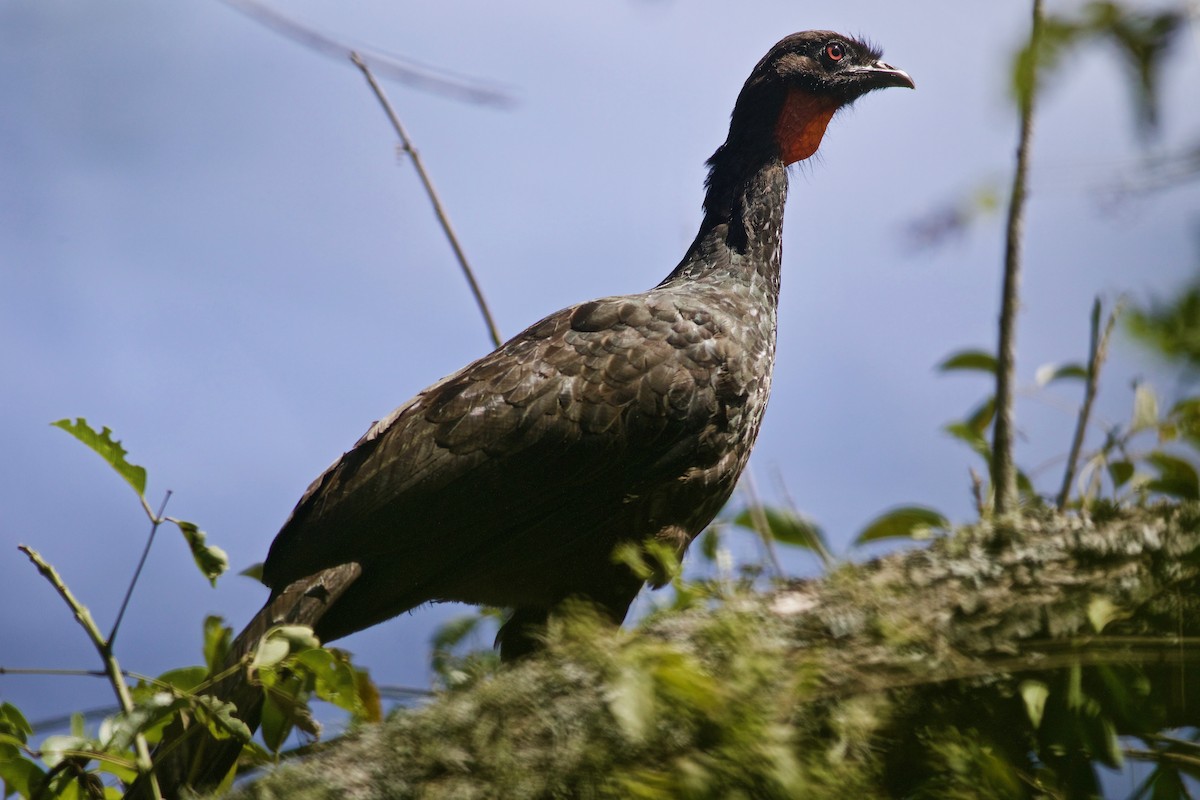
x=740, y=237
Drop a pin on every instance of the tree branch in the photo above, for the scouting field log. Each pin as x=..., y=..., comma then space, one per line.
x=1004, y=476
x=406, y=146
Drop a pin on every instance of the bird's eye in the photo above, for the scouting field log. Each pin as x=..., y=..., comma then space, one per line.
x=835, y=51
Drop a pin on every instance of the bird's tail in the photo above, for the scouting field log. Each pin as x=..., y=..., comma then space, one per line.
x=189, y=758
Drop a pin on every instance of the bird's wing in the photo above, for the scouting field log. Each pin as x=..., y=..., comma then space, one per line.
x=589, y=405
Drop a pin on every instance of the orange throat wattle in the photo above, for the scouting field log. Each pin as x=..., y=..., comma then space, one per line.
x=801, y=124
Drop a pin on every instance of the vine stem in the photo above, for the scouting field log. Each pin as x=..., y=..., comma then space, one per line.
x=1004, y=476
x=407, y=147
x=111, y=667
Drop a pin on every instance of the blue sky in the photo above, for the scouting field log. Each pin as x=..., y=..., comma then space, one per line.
x=208, y=244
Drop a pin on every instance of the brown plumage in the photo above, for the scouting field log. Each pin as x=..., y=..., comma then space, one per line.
x=510, y=482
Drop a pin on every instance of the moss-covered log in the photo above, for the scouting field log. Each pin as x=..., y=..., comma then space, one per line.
x=1007, y=660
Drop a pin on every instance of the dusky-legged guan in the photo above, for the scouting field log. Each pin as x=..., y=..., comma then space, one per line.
x=510, y=482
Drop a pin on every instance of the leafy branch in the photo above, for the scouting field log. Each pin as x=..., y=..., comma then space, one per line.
x=104, y=648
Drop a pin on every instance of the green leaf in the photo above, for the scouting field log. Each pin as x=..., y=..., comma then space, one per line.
x=1120, y=472
x=217, y=637
x=786, y=527
x=211, y=559
x=254, y=571
x=973, y=438
x=710, y=543
x=1145, y=409
x=1176, y=477
x=185, y=679
x=909, y=522
x=286, y=707
x=20, y=776
x=13, y=722
x=110, y=450
x=979, y=360
x=1102, y=611
x=334, y=678
x=1049, y=373
x=981, y=418
x=368, y=696
x=1034, y=693
x=220, y=718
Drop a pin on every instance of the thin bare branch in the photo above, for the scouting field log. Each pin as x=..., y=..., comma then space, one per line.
x=406, y=71
x=1097, y=353
x=155, y=521
x=762, y=525
x=407, y=146
x=1004, y=474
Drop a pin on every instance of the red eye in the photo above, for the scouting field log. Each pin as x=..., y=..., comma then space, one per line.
x=835, y=51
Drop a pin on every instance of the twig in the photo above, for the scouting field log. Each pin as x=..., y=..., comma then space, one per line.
x=1097, y=352
x=1004, y=478
x=115, y=676
x=406, y=146
x=155, y=521
x=71, y=673
x=1163, y=757
x=761, y=524
x=407, y=71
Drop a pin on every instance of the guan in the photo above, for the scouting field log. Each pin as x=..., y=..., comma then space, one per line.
x=619, y=420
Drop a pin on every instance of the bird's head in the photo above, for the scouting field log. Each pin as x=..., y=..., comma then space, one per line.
x=801, y=83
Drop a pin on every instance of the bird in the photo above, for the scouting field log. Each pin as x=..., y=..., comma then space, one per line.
x=625, y=419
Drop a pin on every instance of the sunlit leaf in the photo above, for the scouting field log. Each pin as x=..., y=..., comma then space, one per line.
x=107, y=448
x=211, y=559
x=1049, y=373
x=1034, y=694
x=979, y=360
x=255, y=571
x=55, y=748
x=1102, y=611
x=270, y=651
x=220, y=718
x=1145, y=409
x=908, y=522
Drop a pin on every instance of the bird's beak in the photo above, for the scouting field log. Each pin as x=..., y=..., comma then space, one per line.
x=879, y=75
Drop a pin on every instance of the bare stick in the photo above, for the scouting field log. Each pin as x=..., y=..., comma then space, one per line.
x=115, y=676
x=761, y=524
x=407, y=146
x=1097, y=352
x=1004, y=477
x=155, y=521
x=419, y=76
